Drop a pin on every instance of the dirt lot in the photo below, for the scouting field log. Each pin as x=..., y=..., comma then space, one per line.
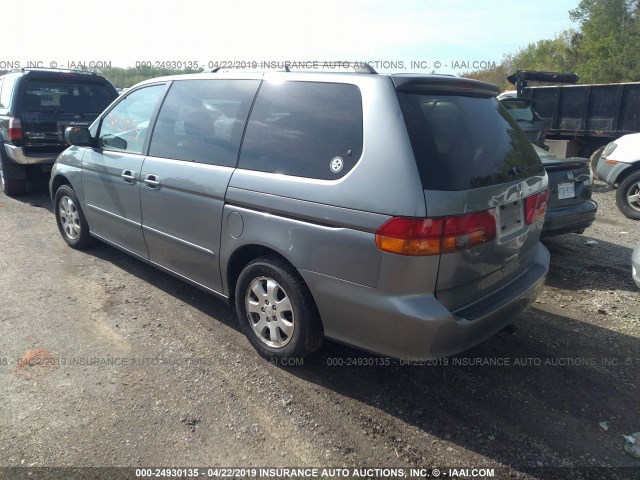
x=104, y=361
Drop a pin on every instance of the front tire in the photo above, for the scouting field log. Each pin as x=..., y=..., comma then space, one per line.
x=71, y=221
x=628, y=196
x=276, y=310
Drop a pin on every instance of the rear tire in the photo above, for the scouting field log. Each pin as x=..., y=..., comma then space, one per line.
x=628, y=196
x=10, y=187
x=276, y=310
x=71, y=221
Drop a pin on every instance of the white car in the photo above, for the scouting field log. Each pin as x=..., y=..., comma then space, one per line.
x=619, y=166
x=635, y=265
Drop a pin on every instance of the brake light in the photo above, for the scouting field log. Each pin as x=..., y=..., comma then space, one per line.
x=535, y=206
x=433, y=236
x=15, y=129
x=465, y=85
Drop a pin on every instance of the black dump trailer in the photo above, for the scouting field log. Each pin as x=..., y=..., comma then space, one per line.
x=586, y=117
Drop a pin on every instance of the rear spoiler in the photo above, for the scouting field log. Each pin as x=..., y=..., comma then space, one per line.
x=443, y=83
x=520, y=78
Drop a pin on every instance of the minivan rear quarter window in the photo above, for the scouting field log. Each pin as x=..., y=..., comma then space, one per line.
x=304, y=129
x=462, y=142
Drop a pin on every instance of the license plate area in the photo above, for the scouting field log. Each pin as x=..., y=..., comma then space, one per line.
x=566, y=190
x=509, y=218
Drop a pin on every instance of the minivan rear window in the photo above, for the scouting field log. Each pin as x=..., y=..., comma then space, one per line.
x=462, y=142
x=67, y=96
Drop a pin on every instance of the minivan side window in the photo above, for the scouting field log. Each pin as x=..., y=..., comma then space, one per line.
x=203, y=120
x=305, y=129
x=126, y=126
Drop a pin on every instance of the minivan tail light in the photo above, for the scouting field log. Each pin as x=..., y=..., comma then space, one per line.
x=434, y=236
x=410, y=236
x=535, y=206
x=15, y=129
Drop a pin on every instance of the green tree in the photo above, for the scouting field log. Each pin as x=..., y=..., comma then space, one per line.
x=557, y=54
x=126, y=77
x=608, y=44
x=604, y=49
x=497, y=74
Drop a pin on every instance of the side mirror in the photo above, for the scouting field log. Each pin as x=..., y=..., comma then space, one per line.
x=78, y=136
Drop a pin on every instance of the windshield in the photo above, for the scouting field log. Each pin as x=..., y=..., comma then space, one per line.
x=74, y=96
x=463, y=142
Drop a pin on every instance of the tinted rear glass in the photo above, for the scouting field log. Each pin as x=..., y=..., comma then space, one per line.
x=75, y=96
x=465, y=142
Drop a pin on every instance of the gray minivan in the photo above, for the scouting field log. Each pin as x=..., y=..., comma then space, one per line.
x=400, y=214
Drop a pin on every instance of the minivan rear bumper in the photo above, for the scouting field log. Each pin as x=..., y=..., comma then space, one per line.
x=419, y=326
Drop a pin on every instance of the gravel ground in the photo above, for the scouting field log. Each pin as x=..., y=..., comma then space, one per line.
x=105, y=361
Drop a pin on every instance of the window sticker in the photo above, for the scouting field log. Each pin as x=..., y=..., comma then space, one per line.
x=336, y=164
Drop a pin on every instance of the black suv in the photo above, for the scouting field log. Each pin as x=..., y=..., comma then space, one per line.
x=36, y=106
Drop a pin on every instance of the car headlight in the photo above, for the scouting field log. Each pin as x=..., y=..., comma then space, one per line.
x=608, y=150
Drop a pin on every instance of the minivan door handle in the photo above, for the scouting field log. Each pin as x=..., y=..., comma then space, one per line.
x=129, y=176
x=152, y=181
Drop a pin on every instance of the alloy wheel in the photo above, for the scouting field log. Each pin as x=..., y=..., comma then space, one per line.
x=69, y=217
x=270, y=312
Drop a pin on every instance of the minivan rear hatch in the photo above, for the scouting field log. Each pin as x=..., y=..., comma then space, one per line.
x=473, y=158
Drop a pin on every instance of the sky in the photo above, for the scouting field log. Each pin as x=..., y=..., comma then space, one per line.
x=413, y=35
